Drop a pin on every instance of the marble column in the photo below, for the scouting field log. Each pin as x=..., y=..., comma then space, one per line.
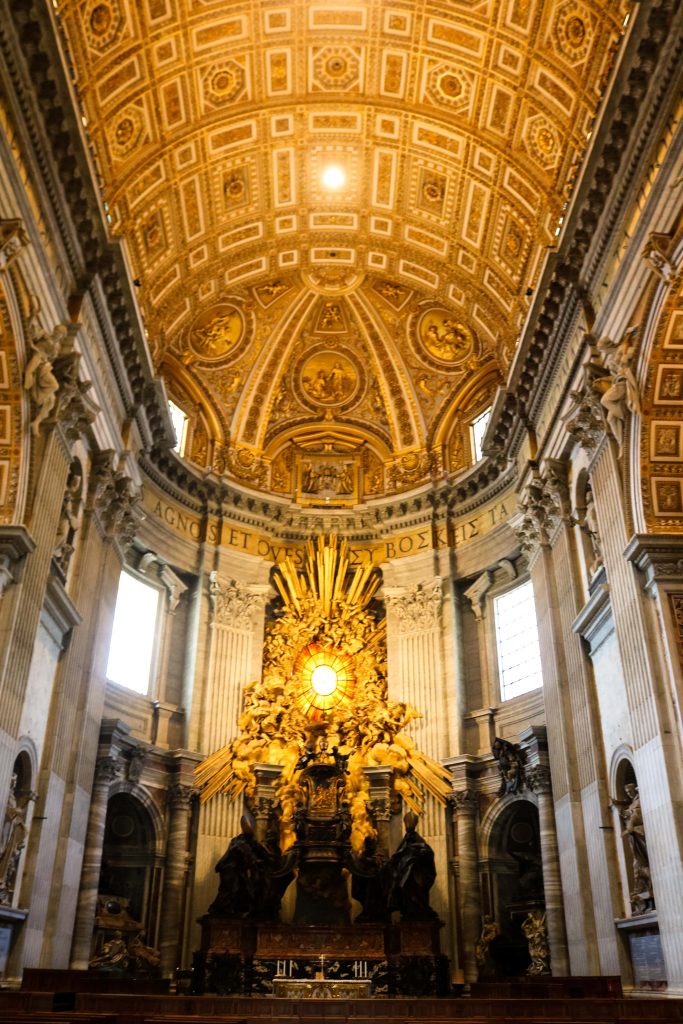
x=468, y=894
x=107, y=770
x=22, y=604
x=538, y=780
x=175, y=877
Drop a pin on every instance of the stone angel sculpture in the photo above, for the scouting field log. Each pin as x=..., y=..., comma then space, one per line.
x=39, y=379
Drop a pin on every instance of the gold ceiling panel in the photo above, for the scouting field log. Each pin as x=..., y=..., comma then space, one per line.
x=456, y=134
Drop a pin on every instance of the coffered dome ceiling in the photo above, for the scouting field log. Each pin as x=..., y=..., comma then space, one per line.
x=336, y=213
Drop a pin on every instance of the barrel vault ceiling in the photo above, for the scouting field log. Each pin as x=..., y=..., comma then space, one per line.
x=332, y=341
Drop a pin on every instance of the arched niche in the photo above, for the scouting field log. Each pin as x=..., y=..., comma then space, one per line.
x=128, y=889
x=15, y=827
x=632, y=847
x=511, y=879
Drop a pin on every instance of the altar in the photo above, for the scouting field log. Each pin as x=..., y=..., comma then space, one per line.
x=322, y=988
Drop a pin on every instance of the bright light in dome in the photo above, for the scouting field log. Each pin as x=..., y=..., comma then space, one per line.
x=333, y=177
x=324, y=680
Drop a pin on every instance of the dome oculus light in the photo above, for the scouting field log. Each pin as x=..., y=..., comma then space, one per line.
x=333, y=177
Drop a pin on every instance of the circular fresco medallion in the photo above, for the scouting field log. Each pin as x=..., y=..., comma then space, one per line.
x=329, y=378
x=444, y=337
x=217, y=332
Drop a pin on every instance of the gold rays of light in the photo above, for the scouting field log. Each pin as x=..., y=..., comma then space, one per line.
x=324, y=581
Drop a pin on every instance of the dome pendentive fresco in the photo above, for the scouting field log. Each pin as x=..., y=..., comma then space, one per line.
x=337, y=215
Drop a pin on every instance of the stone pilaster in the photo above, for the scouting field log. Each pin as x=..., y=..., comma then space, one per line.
x=107, y=770
x=175, y=877
x=22, y=604
x=415, y=663
x=465, y=804
x=236, y=613
x=655, y=615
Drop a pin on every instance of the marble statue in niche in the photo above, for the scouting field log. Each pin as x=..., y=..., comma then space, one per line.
x=12, y=842
x=633, y=832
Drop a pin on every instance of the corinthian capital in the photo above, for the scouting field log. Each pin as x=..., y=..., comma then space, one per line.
x=417, y=609
x=538, y=779
x=232, y=603
x=465, y=802
x=540, y=511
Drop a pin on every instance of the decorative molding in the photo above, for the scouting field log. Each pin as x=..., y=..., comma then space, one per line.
x=476, y=593
x=15, y=544
x=658, y=556
x=175, y=588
